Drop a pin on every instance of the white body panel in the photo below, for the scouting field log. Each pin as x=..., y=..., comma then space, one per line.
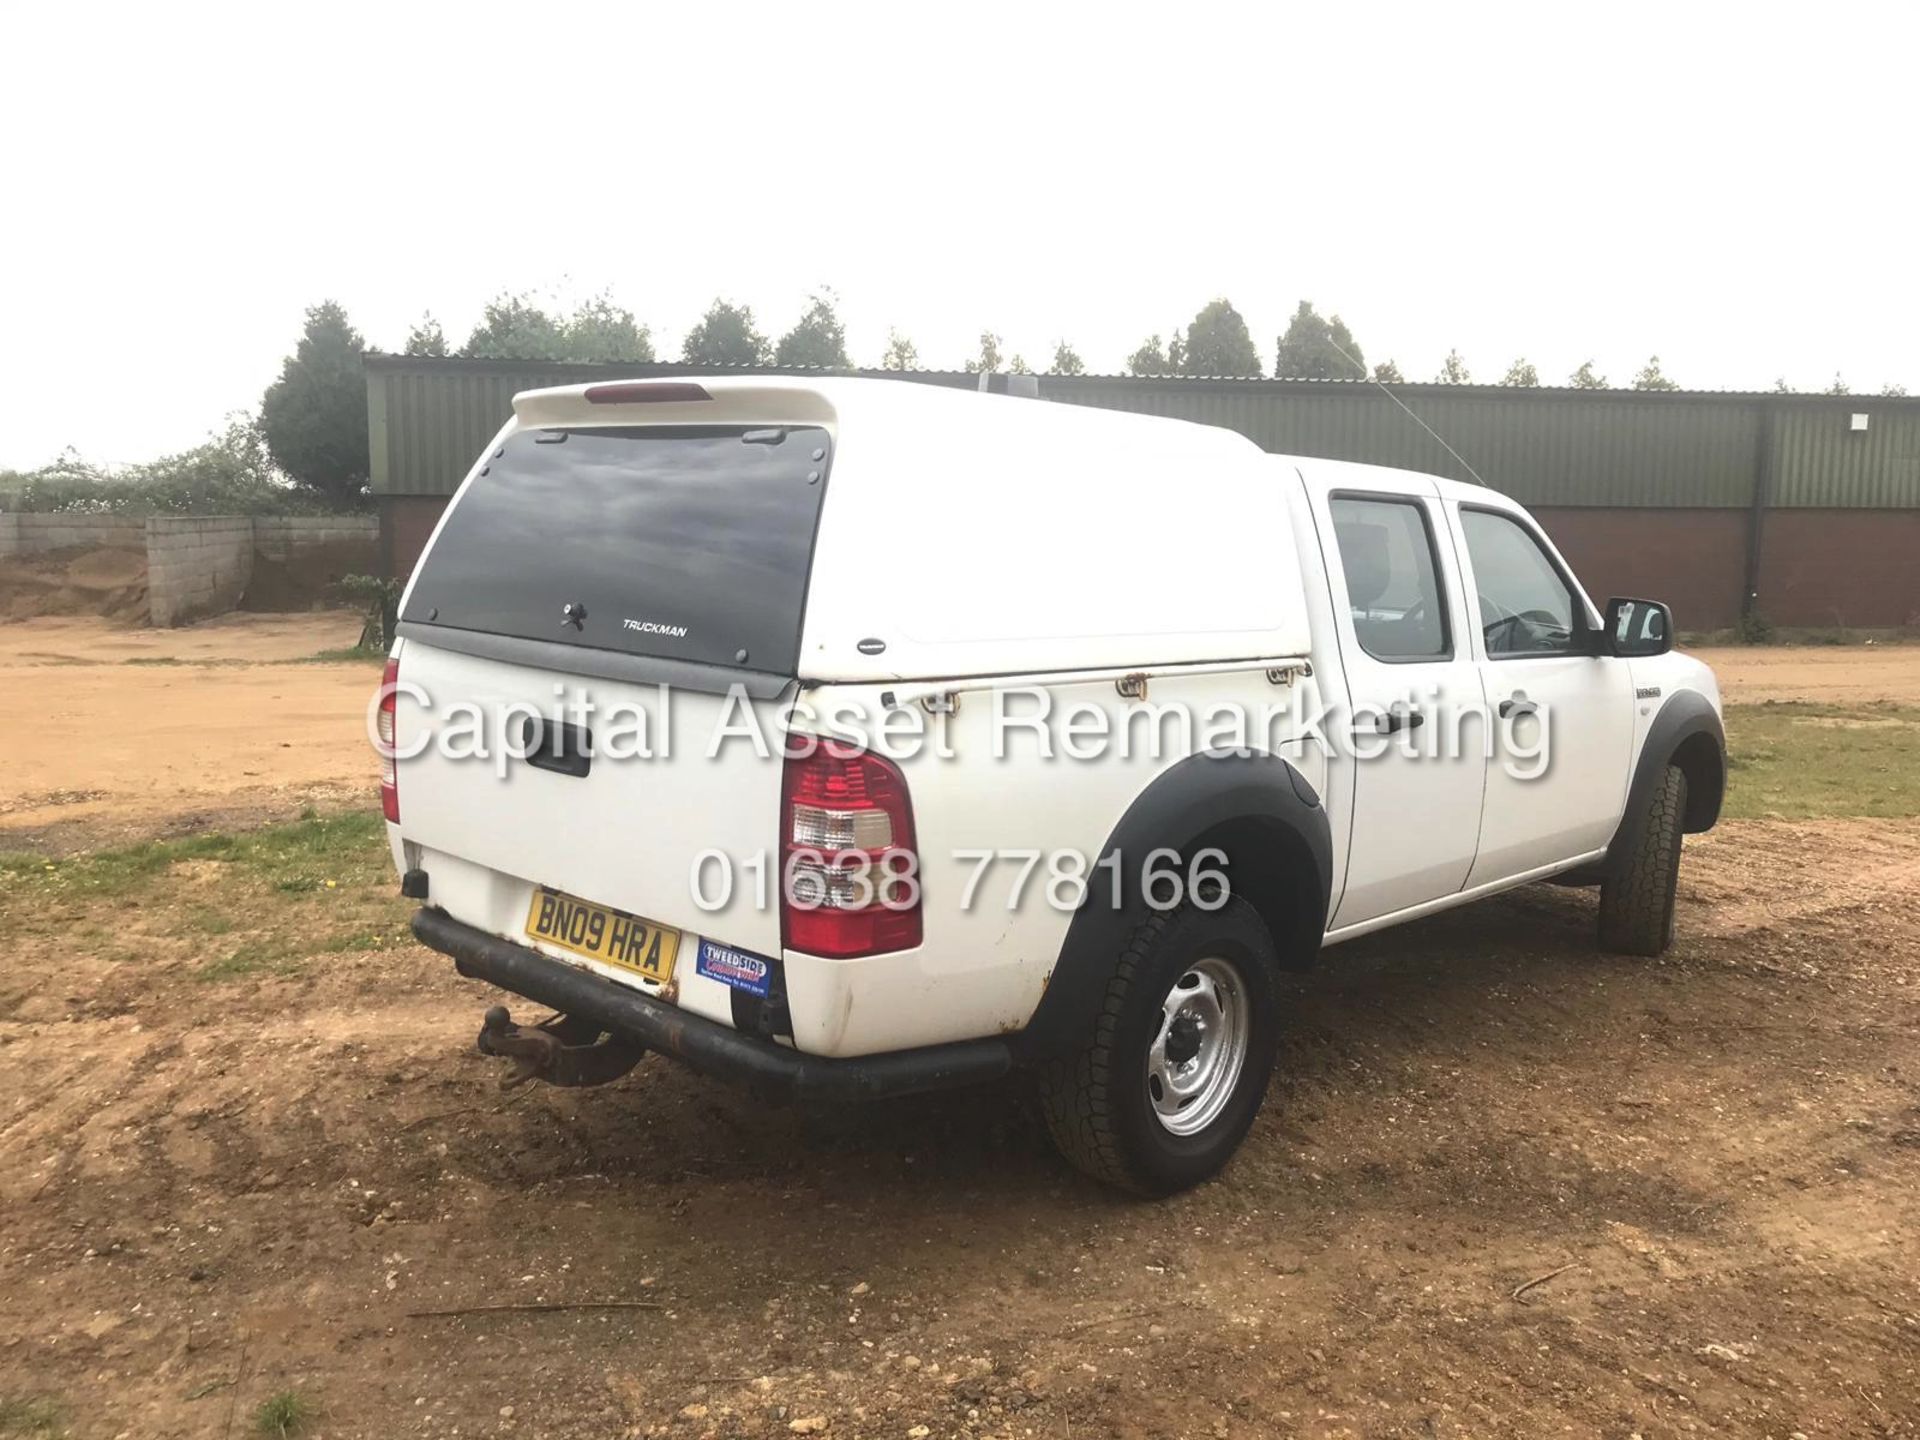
x=983, y=966
x=1572, y=805
x=626, y=835
x=983, y=535
x=1400, y=864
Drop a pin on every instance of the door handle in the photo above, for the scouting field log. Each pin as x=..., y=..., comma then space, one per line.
x=1517, y=706
x=1391, y=721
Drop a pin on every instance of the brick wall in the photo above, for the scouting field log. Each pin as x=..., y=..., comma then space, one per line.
x=1817, y=568
x=1694, y=560
x=1840, y=567
x=197, y=565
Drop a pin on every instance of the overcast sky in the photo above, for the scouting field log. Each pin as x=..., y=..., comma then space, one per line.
x=1733, y=191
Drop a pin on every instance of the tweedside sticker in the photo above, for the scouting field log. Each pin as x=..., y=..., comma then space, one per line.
x=741, y=969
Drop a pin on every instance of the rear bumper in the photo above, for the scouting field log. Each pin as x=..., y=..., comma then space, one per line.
x=705, y=1045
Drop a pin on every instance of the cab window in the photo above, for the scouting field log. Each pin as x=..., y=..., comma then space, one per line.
x=1525, y=607
x=1393, y=578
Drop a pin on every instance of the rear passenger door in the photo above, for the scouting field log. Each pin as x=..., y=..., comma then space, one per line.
x=1562, y=719
x=1414, y=807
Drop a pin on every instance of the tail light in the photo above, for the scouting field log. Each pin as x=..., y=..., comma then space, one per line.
x=849, y=872
x=384, y=729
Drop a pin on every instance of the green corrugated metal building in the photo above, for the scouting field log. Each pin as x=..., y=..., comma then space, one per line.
x=1810, y=502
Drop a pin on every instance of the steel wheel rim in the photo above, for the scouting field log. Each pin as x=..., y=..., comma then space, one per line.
x=1199, y=1047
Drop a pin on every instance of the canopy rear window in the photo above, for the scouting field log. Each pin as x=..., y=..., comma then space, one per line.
x=684, y=543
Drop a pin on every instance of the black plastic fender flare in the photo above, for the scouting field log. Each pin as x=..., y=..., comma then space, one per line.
x=1686, y=714
x=1260, y=796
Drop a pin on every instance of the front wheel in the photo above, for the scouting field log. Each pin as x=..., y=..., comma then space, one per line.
x=1637, y=895
x=1163, y=1088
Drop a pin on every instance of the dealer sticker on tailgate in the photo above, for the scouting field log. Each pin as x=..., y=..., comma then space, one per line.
x=741, y=969
x=603, y=934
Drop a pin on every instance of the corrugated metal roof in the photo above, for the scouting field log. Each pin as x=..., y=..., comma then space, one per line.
x=1555, y=450
x=377, y=360
x=1544, y=445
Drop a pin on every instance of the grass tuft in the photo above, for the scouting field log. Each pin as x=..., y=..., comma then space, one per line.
x=209, y=921
x=227, y=907
x=254, y=958
x=283, y=1414
x=30, y=1417
x=303, y=854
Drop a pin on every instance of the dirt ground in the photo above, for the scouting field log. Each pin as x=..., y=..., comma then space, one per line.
x=114, y=733
x=1825, y=674
x=215, y=1191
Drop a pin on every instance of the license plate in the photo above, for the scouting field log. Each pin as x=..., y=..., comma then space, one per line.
x=604, y=934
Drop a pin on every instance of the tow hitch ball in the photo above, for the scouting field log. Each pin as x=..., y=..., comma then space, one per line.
x=561, y=1051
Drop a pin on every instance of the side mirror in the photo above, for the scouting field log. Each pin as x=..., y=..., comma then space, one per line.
x=1637, y=628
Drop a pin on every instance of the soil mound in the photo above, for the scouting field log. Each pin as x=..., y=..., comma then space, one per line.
x=81, y=580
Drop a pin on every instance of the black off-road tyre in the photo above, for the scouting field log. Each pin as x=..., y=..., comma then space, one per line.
x=1095, y=1097
x=1636, y=898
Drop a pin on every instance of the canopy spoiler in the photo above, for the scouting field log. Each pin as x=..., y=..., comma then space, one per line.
x=699, y=400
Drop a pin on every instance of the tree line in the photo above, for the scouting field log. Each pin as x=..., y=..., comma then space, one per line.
x=1216, y=342
x=312, y=423
x=314, y=417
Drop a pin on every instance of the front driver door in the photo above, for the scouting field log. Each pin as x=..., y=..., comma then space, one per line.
x=1562, y=721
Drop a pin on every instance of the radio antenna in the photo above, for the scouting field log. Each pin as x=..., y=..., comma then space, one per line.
x=1410, y=415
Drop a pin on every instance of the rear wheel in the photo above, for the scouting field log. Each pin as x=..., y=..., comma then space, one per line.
x=1163, y=1087
x=1637, y=895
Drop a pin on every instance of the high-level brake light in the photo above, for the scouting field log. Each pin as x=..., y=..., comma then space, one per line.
x=645, y=392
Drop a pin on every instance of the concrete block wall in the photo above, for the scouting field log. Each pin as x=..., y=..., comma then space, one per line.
x=276, y=537
x=197, y=565
x=31, y=534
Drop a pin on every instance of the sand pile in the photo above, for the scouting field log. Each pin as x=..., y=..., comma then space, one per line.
x=83, y=580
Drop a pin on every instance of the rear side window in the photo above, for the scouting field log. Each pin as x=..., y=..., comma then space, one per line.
x=689, y=544
x=1393, y=581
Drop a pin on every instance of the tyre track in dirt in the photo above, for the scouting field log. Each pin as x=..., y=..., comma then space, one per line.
x=1463, y=1105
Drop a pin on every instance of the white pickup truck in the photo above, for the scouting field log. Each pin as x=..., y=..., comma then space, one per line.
x=850, y=738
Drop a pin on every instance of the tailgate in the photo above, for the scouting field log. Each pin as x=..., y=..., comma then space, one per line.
x=655, y=796
x=580, y=571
